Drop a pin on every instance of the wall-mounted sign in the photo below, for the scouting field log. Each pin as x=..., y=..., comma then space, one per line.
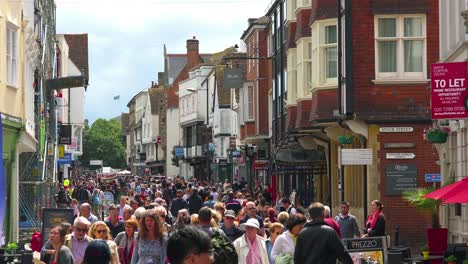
x=360, y=249
x=432, y=177
x=235, y=153
x=67, y=159
x=400, y=155
x=179, y=152
x=396, y=129
x=400, y=177
x=399, y=145
x=449, y=93
x=261, y=164
x=356, y=156
x=222, y=162
x=95, y=162
x=65, y=134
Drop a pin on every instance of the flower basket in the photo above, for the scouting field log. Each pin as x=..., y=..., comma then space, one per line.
x=346, y=139
x=437, y=136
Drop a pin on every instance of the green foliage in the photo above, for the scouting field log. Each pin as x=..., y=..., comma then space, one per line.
x=415, y=198
x=12, y=246
x=103, y=141
x=465, y=261
x=451, y=258
x=425, y=248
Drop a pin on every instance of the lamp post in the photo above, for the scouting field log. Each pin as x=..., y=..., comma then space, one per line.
x=249, y=157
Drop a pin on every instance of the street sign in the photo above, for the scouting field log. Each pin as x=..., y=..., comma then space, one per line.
x=235, y=153
x=356, y=156
x=396, y=129
x=67, y=159
x=179, y=152
x=432, y=177
x=95, y=162
x=400, y=177
x=400, y=156
x=399, y=145
x=449, y=93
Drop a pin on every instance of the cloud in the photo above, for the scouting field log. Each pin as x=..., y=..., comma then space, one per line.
x=126, y=39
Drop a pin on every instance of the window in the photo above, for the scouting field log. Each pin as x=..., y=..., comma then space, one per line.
x=400, y=47
x=330, y=52
x=308, y=68
x=323, y=49
x=12, y=56
x=250, y=104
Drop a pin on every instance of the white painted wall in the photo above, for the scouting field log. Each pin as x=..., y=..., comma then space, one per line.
x=173, y=139
x=453, y=41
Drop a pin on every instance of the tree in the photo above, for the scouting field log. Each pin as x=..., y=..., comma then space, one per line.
x=103, y=141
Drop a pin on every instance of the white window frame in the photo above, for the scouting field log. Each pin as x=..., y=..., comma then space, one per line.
x=323, y=47
x=319, y=80
x=400, y=74
x=12, y=57
x=249, y=106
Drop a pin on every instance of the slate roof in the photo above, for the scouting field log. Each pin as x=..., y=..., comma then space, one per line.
x=262, y=21
x=78, y=51
x=177, y=62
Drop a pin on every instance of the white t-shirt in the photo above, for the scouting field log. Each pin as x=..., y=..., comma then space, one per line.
x=215, y=196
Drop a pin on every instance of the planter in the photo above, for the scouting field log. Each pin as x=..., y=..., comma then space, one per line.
x=346, y=139
x=437, y=136
x=437, y=239
x=425, y=254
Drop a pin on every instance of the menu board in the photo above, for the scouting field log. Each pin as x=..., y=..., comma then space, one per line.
x=52, y=217
x=400, y=177
x=362, y=250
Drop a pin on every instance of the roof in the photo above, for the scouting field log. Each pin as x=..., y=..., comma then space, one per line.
x=78, y=52
x=262, y=21
x=177, y=62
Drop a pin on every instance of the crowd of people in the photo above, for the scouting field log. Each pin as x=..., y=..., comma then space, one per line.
x=159, y=220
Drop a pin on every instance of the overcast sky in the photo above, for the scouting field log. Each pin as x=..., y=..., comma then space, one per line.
x=126, y=40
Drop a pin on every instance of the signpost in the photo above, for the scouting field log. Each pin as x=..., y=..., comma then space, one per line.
x=432, y=177
x=400, y=156
x=449, y=93
x=363, y=250
x=356, y=156
x=400, y=177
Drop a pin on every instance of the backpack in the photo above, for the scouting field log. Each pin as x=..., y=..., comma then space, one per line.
x=36, y=241
x=224, y=251
x=95, y=199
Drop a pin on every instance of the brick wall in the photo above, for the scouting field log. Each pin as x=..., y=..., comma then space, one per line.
x=397, y=212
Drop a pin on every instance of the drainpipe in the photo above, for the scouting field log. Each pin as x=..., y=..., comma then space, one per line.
x=364, y=144
x=348, y=59
x=340, y=55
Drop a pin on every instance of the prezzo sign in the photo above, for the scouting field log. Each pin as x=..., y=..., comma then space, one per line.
x=361, y=249
x=449, y=95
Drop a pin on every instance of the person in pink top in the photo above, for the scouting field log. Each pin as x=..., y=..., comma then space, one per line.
x=331, y=222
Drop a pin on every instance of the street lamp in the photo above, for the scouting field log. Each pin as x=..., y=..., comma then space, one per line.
x=250, y=155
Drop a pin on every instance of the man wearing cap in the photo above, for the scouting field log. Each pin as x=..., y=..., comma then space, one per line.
x=78, y=240
x=251, y=213
x=318, y=242
x=229, y=227
x=251, y=248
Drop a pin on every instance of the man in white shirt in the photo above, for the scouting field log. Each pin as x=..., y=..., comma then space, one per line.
x=215, y=194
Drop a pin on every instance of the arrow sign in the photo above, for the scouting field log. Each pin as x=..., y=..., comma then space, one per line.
x=400, y=156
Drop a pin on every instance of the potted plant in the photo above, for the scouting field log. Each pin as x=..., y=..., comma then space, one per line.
x=451, y=259
x=425, y=251
x=12, y=247
x=345, y=139
x=437, y=135
x=465, y=261
x=437, y=238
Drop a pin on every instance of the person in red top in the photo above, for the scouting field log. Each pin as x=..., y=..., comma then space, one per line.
x=331, y=222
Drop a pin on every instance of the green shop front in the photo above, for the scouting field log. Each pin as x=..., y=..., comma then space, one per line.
x=9, y=133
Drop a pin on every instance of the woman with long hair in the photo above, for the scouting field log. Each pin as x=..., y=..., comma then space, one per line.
x=375, y=223
x=125, y=241
x=62, y=254
x=99, y=230
x=286, y=242
x=151, y=243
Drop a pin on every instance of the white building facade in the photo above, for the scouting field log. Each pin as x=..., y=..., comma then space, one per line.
x=454, y=153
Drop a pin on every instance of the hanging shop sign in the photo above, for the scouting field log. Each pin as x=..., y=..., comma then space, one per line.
x=233, y=78
x=65, y=137
x=449, y=93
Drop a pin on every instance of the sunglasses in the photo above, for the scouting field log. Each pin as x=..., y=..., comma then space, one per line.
x=101, y=231
x=81, y=229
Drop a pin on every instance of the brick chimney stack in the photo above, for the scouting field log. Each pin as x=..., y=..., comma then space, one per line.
x=192, y=53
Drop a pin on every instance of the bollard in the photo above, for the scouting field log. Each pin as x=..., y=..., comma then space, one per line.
x=397, y=236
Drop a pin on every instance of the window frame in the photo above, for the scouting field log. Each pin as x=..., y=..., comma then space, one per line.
x=323, y=50
x=12, y=81
x=249, y=102
x=400, y=73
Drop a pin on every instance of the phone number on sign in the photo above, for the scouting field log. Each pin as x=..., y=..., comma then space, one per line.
x=449, y=109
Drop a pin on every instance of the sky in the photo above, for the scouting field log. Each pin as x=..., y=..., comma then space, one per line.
x=126, y=38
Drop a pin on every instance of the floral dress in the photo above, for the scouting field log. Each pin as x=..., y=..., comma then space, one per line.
x=149, y=252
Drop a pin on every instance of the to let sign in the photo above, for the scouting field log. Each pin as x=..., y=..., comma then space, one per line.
x=449, y=95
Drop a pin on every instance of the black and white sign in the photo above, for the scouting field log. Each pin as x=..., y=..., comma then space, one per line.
x=65, y=137
x=400, y=177
x=361, y=249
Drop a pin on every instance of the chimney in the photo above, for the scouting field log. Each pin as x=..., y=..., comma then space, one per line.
x=162, y=78
x=192, y=53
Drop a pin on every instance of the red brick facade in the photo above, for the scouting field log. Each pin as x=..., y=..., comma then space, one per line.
x=324, y=102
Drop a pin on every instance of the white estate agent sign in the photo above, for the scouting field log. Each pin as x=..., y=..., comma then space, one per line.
x=356, y=156
x=400, y=155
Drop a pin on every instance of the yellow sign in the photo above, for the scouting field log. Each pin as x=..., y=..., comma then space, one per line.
x=66, y=182
x=61, y=151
